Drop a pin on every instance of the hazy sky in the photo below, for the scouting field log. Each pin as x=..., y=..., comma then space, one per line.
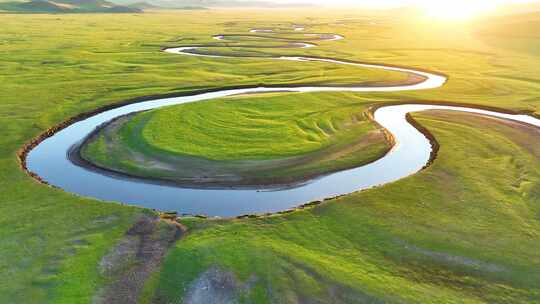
x=392, y=3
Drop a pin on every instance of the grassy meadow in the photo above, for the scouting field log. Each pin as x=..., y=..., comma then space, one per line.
x=446, y=235
x=280, y=126
x=268, y=138
x=466, y=230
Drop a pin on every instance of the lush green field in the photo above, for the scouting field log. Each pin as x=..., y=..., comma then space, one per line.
x=54, y=67
x=519, y=35
x=252, y=128
x=274, y=139
x=465, y=230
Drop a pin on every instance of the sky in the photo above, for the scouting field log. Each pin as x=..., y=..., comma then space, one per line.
x=393, y=3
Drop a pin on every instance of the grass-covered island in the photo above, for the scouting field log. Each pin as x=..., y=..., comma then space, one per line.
x=464, y=230
x=241, y=141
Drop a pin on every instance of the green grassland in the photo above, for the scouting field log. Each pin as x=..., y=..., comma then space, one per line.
x=508, y=33
x=276, y=139
x=464, y=230
x=250, y=128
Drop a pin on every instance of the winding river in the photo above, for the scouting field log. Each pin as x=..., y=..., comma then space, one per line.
x=50, y=162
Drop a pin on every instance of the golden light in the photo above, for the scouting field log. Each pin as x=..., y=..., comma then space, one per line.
x=457, y=9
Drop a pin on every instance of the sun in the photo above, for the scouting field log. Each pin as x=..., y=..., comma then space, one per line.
x=457, y=9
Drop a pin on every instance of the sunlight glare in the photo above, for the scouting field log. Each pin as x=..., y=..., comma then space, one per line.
x=458, y=9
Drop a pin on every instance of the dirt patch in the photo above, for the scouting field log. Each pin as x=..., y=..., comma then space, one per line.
x=216, y=286
x=139, y=254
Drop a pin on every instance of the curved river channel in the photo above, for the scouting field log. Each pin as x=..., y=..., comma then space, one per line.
x=411, y=152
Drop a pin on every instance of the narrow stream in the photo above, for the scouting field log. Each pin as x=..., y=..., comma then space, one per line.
x=410, y=154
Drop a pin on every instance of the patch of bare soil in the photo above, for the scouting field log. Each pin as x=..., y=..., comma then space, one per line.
x=216, y=286
x=139, y=254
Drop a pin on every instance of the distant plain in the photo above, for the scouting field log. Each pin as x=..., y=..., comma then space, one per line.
x=464, y=230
